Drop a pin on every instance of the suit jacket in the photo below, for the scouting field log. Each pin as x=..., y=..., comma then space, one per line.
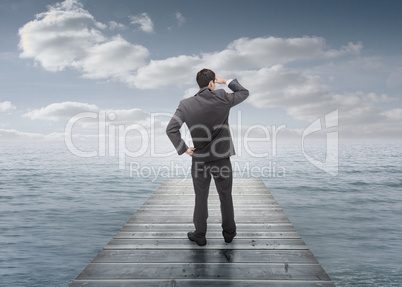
x=206, y=116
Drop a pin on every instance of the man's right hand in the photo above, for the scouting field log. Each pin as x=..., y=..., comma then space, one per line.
x=220, y=80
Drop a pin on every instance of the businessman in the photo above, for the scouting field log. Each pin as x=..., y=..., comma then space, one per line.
x=206, y=116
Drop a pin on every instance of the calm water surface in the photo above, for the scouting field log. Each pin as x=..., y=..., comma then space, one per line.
x=57, y=211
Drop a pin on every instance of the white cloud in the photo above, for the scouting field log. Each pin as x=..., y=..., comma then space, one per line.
x=67, y=36
x=115, y=58
x=278, y=86
x=11, y=134
x=263, y=52
x=393, y=115
x=113, y=25
x=358, y=114
x=260, y=64
x=380, y=99
x=303, y=96
x=144, y=21
x=180, y=19
x=174, y=71
x=99, y=123
x=306, y=98
x=128, y=116
x=240, y=55
x=351, y=48
x=66, y=110
x=60, y=111
x=6, y=106
x=352, y=73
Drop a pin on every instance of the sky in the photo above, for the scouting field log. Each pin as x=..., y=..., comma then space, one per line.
x=300, y=60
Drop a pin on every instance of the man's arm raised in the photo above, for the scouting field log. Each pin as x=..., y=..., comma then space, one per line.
x=239, y=92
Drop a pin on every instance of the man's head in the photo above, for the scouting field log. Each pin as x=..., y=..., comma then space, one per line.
x=206, y=78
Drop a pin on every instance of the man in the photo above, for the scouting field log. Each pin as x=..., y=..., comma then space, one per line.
x=206, y=115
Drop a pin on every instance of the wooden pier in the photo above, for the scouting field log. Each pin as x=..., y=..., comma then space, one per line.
x=152, y=248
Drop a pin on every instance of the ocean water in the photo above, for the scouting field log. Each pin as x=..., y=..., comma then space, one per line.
x=57, y=210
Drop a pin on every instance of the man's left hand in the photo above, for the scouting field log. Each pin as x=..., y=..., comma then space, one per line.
x=190, y=150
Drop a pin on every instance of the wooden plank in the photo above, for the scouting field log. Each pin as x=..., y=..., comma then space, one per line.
x=271, y=271
x=205, y=256
x=190, y=201
x=213, y=208
x=213, y=234
x=190, y=191
x=180, y=215
x=212, y=212
x=212, y=195
x=212, y=192
x=178, y=244
x=211, y=219
x=247, y=182
x=199, y=283
x=152, y=248
x=185, y=227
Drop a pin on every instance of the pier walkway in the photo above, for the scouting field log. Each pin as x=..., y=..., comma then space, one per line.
x=152, y=248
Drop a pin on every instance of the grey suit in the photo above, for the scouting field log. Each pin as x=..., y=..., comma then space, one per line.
x=206, y=116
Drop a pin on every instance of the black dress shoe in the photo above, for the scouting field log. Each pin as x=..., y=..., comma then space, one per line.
x=229, y=238
x=201, y=241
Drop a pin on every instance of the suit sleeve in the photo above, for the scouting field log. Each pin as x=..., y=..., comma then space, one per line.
x=239, y=93
x=173, y=131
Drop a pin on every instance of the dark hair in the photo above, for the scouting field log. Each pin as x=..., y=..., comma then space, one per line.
x=204, y=77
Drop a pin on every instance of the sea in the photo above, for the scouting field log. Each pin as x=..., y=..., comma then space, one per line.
x=59, y=209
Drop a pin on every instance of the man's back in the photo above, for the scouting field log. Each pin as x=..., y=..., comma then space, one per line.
x=206, y=115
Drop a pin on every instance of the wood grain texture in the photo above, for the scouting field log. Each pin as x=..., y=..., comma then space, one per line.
x=152, y=248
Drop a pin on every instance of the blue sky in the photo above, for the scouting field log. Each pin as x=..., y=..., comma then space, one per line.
x=299, y=59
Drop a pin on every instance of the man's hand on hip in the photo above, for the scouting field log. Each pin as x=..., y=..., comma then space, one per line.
x=190, y=150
